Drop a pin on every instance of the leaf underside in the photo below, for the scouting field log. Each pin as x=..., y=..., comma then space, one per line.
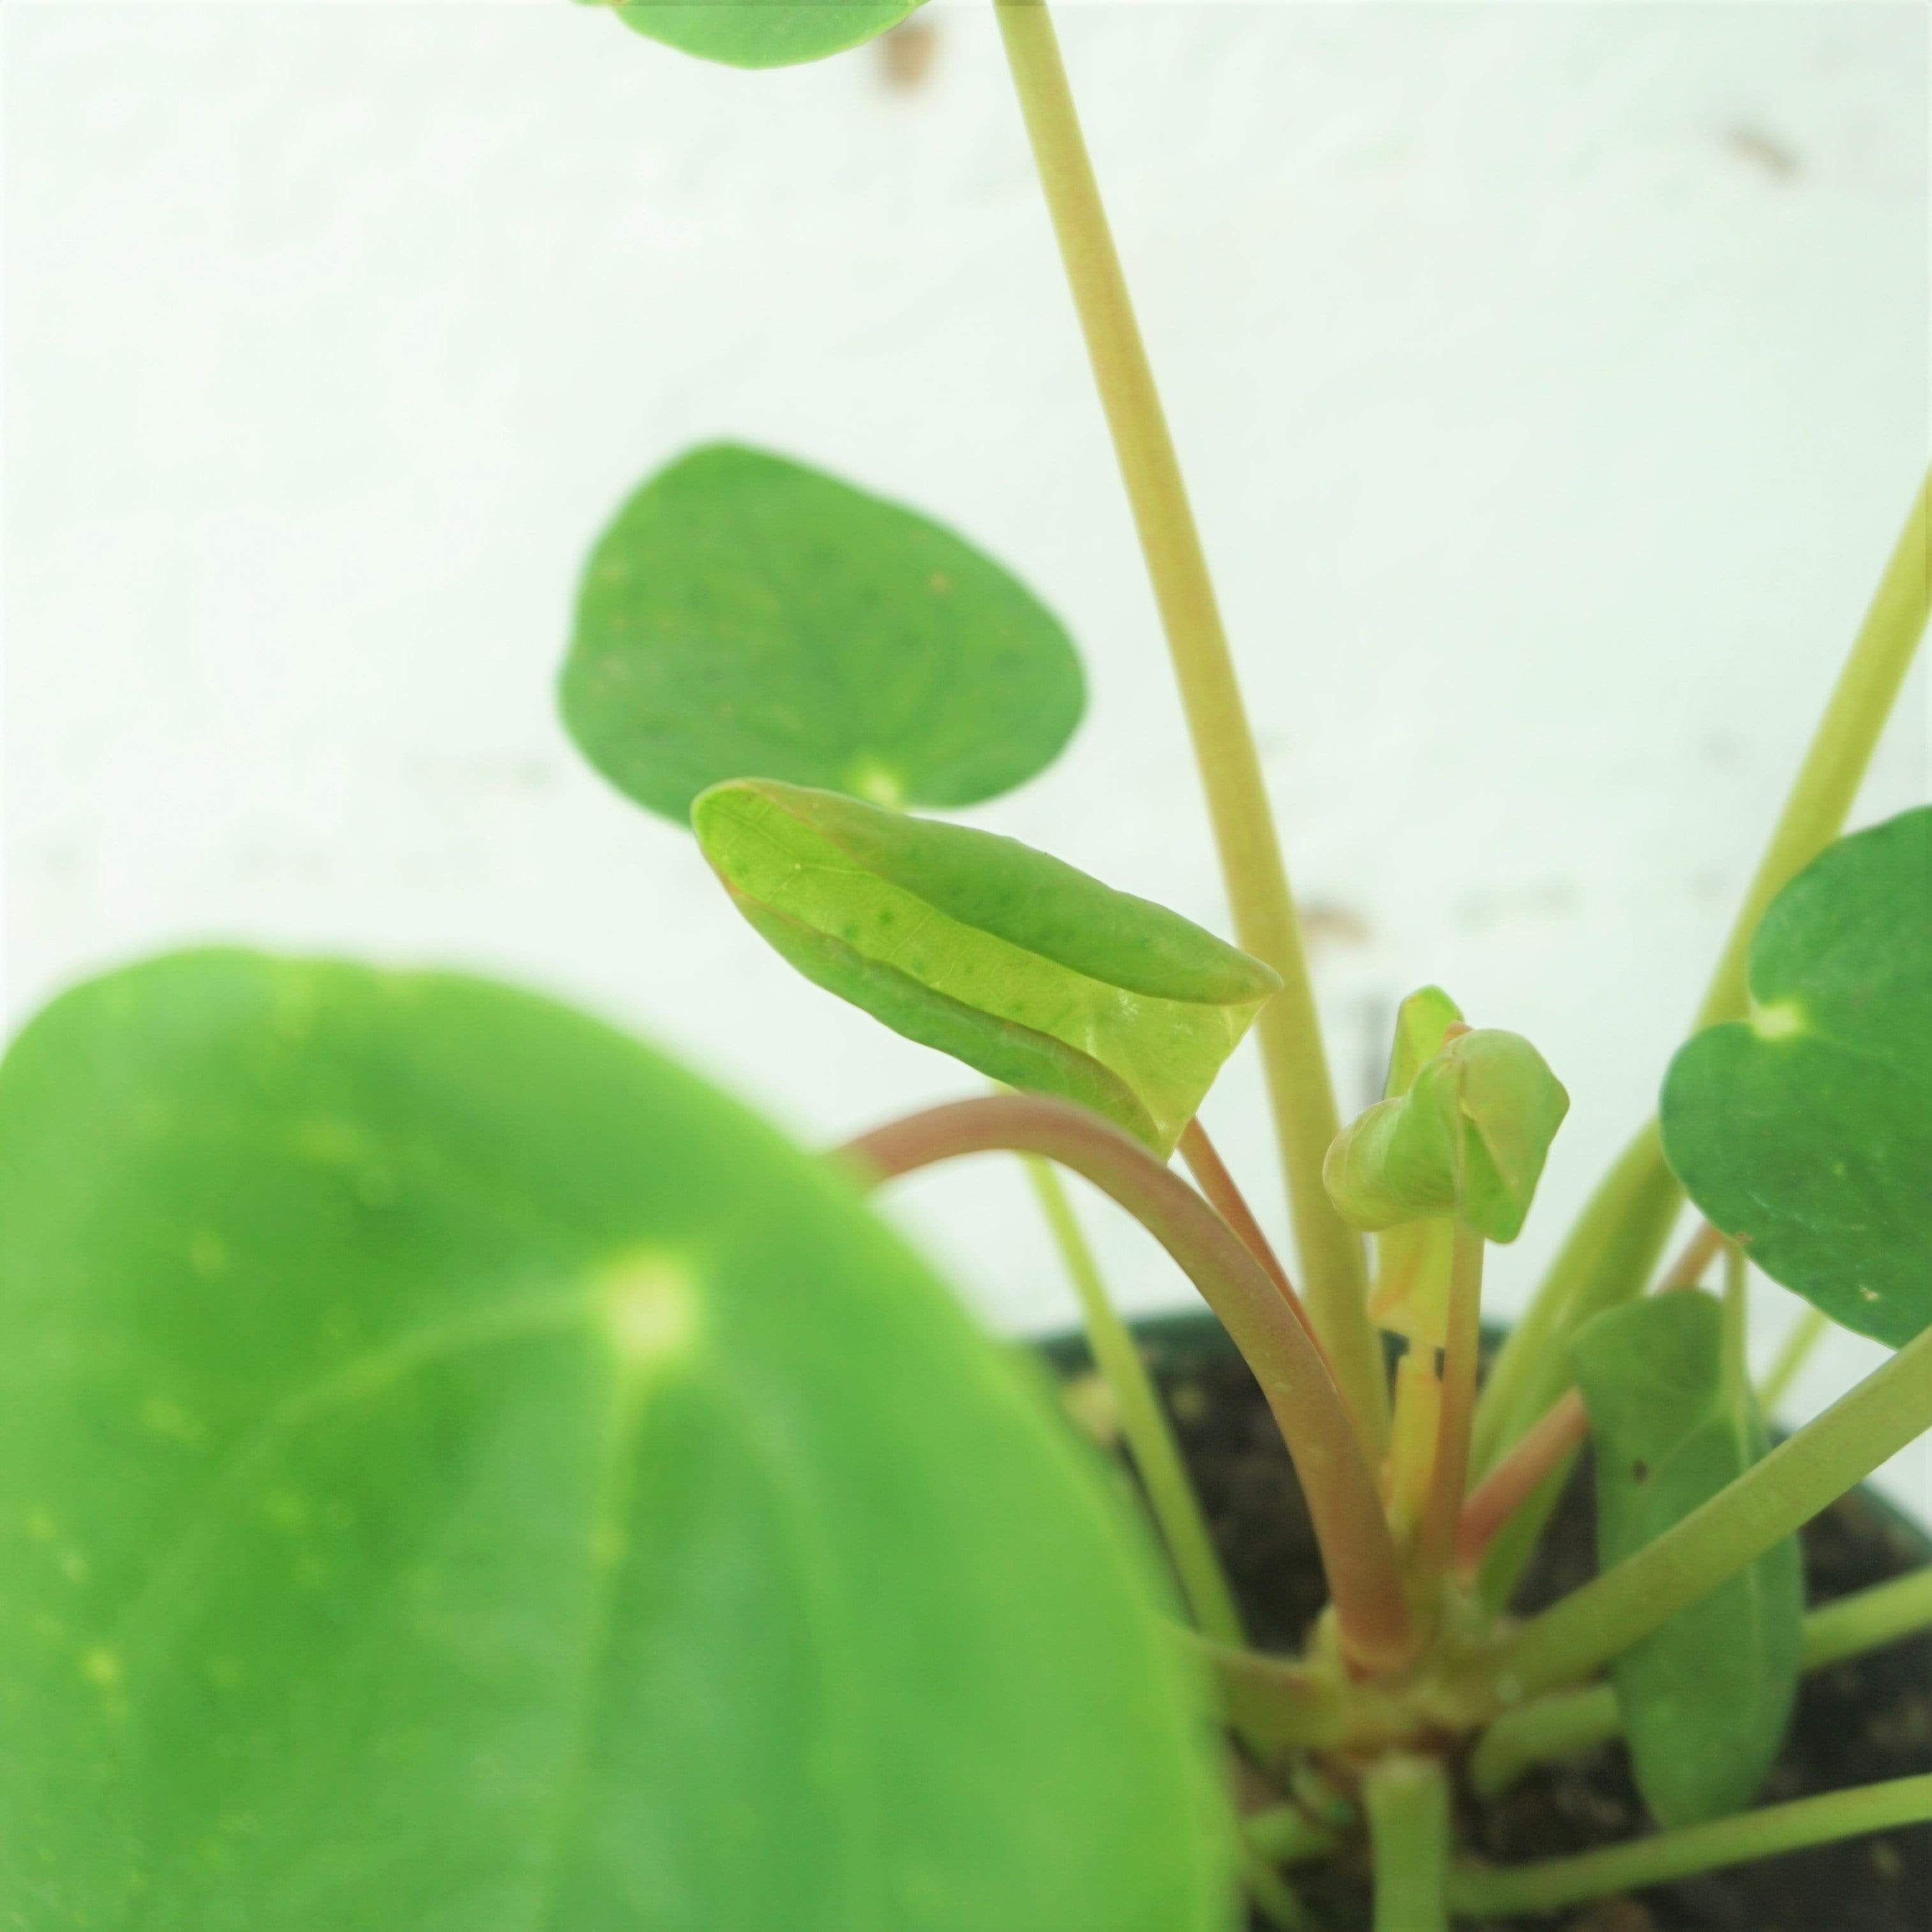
x=1034, y=973
x=458, y=1472
x=1805, y=1132
x=1706, y=1700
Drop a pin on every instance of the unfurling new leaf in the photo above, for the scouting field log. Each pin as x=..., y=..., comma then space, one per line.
x=1706, y=1700
x=1035, y=974
x=1805, y=1132
x=1411, y=1293
x=744, y=614
x=1467, y=1139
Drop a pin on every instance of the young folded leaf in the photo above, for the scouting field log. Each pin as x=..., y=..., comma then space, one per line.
x=1422, y=1024
x=1706, y=1700
x=1805, y=1132
x=1411, y=1294
x=743, y=613
x=458, y=1471
x=761, y=33
x=1035, y=974
x=1467, y=1139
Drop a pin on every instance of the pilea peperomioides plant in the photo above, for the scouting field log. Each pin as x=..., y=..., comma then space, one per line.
x=459, y=1474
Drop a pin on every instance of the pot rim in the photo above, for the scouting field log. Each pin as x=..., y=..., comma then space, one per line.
x=1181, y=1336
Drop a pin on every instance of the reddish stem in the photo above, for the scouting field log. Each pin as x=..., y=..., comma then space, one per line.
x=1517, y=1477
x=1563, y=1430
x=1225, y=1198
x=1358, y=1552
x=1688, y=1270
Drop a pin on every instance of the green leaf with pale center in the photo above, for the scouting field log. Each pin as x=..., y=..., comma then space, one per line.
x=458, y=1473
x=1706, y=1700
x=761, y=33
x=1467, y=1138
x=1035, y=974
x=747, y=616
x=1805, y=1132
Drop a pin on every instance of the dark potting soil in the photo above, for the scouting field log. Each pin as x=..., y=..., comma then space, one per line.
x=1868, y=1718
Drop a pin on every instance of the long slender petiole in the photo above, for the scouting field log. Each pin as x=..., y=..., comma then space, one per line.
x=1358, y=1552
x=1541, y=1455
x=1171, y=1501
x=1556, y=1882
x=1211, y=1176
x=1547, y=1449
x=1571, y=1721
x=1300, y=1092
x=1803, y=1475
x=1626, y=1220
x=1461, y=1362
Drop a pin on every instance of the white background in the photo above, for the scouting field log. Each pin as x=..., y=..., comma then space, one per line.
x=1551, y=379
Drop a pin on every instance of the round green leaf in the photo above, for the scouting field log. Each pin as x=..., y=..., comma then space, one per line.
x=1805, y=1132
x=761, y=33
x=745, y=617
x=459, y=1473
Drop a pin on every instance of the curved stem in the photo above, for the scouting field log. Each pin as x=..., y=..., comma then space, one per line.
x=1407, y=1799
x=1555, y=1882
x=1840, y=748
x=1300, y=1092
x=1211, y=1176
x=1358, y=1550
x=1171, y=1501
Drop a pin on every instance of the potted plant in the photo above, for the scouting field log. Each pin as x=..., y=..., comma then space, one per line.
x=459, y=1471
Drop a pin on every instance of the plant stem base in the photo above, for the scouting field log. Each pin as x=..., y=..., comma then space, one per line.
x=1868, y=1719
